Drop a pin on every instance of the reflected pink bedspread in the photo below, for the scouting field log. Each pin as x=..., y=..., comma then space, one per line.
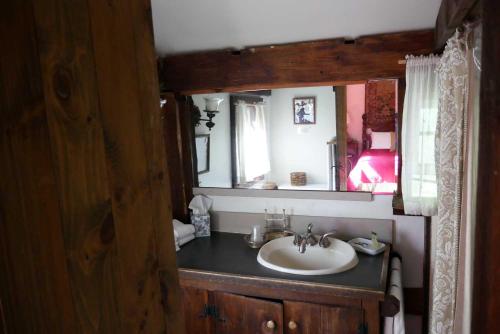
x=376, y=171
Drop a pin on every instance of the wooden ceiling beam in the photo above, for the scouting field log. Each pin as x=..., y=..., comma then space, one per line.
x=325, y=62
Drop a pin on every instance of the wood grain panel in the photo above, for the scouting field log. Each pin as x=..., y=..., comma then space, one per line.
x=77, y=141
x=316, y=318
x=152, y=127
x=326, y=62
x=239, y=314
x=84, y=201
x=115, y=28
x=194, y=302
x=34, y=284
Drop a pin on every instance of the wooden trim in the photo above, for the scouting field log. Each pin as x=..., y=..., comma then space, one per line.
x=486, y=301
x=317, y=63
x=414, y=299
x=254, y=286
x=341, y=142
x=427, y=273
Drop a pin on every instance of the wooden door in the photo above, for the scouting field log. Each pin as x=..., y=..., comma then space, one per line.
x=305, y=318
x=197, y=311
x=243, y=315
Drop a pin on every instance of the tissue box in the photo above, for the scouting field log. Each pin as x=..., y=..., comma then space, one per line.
x=201, y=225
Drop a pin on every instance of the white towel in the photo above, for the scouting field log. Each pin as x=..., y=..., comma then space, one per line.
x=182, y=230
x=396, y=324
x=183, y=241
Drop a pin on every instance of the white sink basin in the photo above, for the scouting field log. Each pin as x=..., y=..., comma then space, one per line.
x=281, y=255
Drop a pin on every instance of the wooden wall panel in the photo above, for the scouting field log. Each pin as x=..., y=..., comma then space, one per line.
x=35, y=287
x=327, y=62
x=86, y=242
x=76, y=135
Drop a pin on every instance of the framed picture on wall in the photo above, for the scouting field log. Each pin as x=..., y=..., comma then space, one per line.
x=203, y=153
x=304, y=110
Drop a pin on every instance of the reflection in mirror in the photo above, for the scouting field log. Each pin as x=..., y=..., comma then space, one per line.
x=372, y=128
x=291, y=139
x=202, y=142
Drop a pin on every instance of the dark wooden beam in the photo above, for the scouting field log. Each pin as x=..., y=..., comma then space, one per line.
x=486, y=298
x=326, y=62
x=452, y=15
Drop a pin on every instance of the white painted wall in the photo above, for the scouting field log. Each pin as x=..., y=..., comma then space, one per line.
x=301, y=148
x=408, y=231
x=220, y=143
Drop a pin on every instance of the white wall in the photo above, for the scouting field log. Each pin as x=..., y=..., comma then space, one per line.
x=301, y=148
x=408, y=231
x=220, y=143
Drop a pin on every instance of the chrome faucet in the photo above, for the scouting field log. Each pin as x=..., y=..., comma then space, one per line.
x=302, y=241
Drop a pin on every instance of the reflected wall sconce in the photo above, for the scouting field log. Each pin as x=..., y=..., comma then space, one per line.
x=211, y=109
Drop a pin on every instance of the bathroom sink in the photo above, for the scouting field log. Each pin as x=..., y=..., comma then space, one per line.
x=281, y=255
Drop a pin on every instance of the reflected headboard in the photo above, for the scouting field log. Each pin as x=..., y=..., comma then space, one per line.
x=380, y=109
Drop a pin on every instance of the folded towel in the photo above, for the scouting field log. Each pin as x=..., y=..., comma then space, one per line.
x=183, y=241
x=396, y=324
x=181, y=230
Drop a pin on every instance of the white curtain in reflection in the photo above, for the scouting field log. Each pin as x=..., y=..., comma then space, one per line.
x=420, y=112
x=252, y=153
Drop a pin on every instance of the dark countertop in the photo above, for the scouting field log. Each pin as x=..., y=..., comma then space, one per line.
x=227, y=253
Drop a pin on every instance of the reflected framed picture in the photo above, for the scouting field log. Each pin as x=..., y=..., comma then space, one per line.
x=203, y=153
x=304, y=110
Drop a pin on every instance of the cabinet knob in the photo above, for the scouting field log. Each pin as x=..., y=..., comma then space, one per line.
x=270, y=324
x=292, y=325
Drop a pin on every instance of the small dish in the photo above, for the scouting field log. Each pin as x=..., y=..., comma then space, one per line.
x=366, y=246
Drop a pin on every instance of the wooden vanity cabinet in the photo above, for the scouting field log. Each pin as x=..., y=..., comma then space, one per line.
x=217, y=312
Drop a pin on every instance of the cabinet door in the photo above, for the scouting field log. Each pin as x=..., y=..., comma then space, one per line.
x=244, y=315
x=305, y=318
x=195, y=303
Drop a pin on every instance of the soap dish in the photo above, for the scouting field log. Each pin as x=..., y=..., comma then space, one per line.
x=366, y=246
x=254, y=244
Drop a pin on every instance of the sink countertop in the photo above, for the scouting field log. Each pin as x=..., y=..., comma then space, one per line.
x=226, y=255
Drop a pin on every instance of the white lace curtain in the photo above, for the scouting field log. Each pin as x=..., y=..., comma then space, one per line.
x=456, y=158
x=252, y=154
x=420, y=112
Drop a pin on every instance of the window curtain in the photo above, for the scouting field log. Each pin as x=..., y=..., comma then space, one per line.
x=418, y=179
x=252, y=153
x=456, y=163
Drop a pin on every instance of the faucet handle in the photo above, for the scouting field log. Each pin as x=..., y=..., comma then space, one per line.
x=297, y=238
x=309, y=228
x=323, y=241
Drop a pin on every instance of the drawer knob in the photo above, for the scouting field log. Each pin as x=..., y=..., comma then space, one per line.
x=292, y=325
x=270, y=324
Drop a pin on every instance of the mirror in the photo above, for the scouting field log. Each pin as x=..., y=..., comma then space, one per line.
x=309, y=138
